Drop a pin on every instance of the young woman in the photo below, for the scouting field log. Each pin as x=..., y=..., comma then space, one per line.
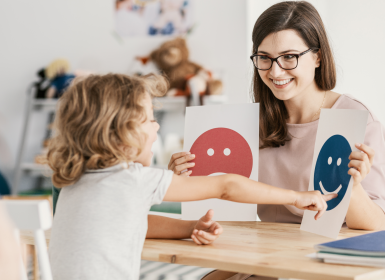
x=294, y=74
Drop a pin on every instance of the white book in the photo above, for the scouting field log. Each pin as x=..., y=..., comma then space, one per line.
x=349, y=259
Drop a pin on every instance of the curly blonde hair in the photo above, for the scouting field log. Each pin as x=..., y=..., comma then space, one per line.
x=98, y=124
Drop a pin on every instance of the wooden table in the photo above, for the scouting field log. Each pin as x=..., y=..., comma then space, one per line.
x=269, y=249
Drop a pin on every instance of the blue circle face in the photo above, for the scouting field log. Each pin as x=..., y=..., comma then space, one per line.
x=331, y=170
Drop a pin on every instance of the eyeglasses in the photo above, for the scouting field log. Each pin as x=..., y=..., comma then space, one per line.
x=285, y=61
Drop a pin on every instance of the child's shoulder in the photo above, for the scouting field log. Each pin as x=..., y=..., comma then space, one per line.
x=127, y=174
x=147, y=173
x=133, y=170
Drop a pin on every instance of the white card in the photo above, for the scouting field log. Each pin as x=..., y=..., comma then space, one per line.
x=338, y=132
x=224, y=139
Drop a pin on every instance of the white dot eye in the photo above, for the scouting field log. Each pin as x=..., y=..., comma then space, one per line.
x=226, y=151
x=210, y=152
x=330, y=160
x=339, y=162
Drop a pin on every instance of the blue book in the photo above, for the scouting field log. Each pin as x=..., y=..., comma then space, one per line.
x=371, y=245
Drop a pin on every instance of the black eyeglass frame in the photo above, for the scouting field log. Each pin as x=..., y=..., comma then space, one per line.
x=276, y=59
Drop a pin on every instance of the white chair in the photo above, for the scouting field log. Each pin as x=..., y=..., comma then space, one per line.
x=33, y=215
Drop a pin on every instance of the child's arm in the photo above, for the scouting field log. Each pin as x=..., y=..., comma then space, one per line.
x=241, y=189
x=203, y=231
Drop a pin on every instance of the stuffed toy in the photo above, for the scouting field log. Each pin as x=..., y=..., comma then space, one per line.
x=42, y=85
x=57, y=72
x=172, y=59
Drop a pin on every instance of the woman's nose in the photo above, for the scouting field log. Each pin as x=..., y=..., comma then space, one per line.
x=275, y=70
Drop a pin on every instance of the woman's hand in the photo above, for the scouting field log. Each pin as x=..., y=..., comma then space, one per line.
x=180, y=162
x=206, y=230
x=314, y=201
x=360, y=163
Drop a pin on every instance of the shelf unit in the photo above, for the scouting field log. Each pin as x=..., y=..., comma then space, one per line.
x=30, y=168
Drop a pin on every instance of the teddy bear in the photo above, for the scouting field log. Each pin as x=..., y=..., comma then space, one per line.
x=185, y=76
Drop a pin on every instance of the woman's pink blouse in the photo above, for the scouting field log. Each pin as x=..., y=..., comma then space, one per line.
x=289, y=166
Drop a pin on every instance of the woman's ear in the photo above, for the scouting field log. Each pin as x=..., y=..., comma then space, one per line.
x=318, y=61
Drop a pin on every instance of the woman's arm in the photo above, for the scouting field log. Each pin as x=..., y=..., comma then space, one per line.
x=241, y=189
x=203, y=231
x=168, y=228
x=363, y=213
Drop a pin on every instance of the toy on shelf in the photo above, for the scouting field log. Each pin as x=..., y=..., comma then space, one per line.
x=57, y=72
x=186, y=77
x=142, y=65
x=42, y=85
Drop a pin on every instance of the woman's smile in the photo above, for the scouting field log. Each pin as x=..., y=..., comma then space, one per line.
x=281, y=83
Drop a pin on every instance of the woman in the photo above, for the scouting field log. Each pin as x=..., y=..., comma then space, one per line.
x=294, y=74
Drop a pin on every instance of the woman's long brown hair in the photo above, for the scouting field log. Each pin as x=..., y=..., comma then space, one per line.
x=302, y=17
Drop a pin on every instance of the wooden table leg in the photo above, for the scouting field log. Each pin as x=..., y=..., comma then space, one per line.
x=36, y=275
x=31, y=262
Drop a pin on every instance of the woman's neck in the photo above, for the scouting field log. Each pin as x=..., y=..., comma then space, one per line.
x=305, y=107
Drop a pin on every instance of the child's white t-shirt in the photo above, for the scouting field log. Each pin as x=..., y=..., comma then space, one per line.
x=100, y=222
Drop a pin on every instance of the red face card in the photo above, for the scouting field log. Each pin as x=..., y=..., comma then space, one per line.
x=221, y=150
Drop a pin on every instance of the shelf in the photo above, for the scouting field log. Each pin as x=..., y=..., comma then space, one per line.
x=178, y=103
x=44, y=104
x=160, y=104
x=35, y=168
x=220, y=99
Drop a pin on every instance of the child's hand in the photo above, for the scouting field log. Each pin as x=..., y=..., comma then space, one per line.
x=360, y=163
x=180, y=162
x=314, y=201
x=206, y=230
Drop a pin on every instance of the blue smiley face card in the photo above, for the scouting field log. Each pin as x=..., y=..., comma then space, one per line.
x=338, y=131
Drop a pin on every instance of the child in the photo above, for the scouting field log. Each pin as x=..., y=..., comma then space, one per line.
x=100, y=158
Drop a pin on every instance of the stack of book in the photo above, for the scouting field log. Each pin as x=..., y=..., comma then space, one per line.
x=366, y=250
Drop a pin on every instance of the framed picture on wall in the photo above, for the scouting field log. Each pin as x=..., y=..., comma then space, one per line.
x=153, y=17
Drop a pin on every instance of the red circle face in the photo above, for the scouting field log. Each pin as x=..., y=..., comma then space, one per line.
x=221, y=150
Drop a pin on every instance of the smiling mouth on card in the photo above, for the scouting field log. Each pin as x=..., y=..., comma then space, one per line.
x=217, y=174
x=326, y=192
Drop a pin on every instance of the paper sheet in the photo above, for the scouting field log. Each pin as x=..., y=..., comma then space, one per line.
x=338, y=131
x=225, y=139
